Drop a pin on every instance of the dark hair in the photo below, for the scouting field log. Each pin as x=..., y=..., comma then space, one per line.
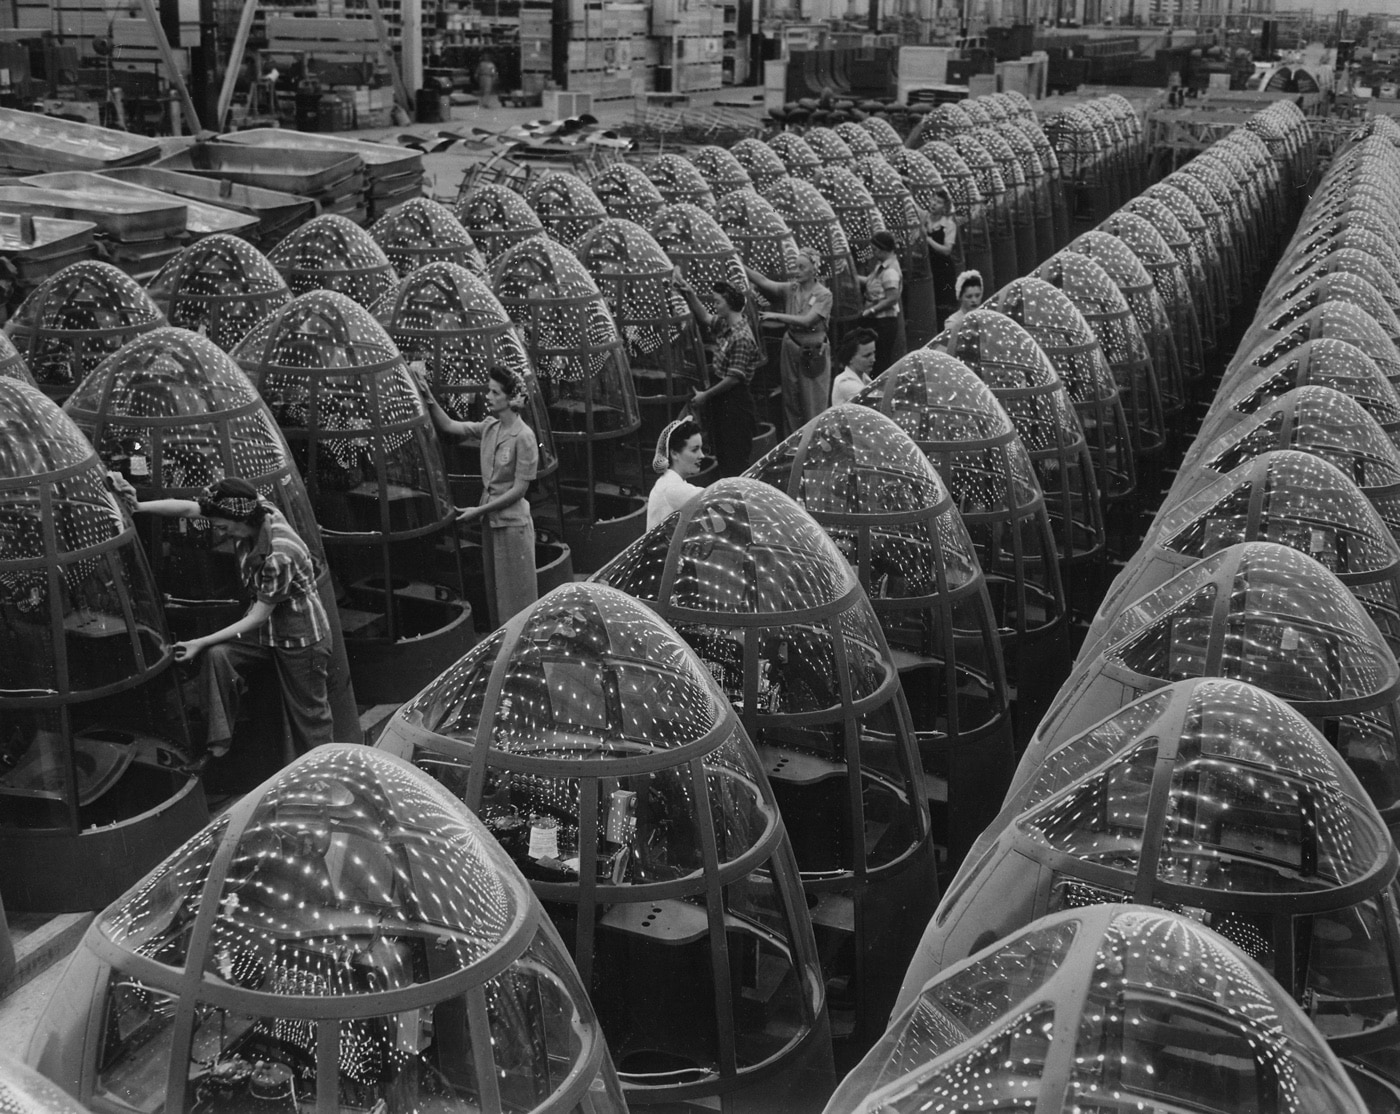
x=884, y=240
x=733, y=297
x=853, y=340
x=508, y=380
x=680, y=435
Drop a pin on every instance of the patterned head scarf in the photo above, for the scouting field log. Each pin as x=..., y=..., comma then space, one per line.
x=231, y=498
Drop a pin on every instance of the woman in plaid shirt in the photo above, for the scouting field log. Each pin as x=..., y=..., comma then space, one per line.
x=285, y=625
x=727, y=406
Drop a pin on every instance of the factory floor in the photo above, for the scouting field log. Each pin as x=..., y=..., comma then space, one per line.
x=43, y=943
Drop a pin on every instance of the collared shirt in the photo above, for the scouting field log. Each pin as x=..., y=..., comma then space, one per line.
x=887, y=280
x=736, y=352
x=846, y=386
x=278, y=569
x=508, y=456
x=799, y=302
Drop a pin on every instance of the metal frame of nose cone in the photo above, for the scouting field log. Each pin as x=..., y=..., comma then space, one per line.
x=1338, y=364
x=581, y=360
x=626, y=192
x=24, y=1089
x=815, y=225
x=1084, y=167
x=77, y=318
x=695, y=243
x=1198, y=284
x=1329, y=320
x=854, y=207
x=222, y=286
x=497, y=218
x=567, y=208
x=1351, y=292
x=420, y=232
x=763, y=595
x=667, y=867
x=1309, y=896
x=946, y=119
x=174, y=414
x=760, y=161
x=1039, y=186
x=901, y=215
x=1255, y=612
x=1046, y=313
x=829, y=147
x=1221, y=185
x=966, y=433
x=331, y=252
x=680, y=182
x=1001, y=208
x=1094, y=294
x=314, y=941
x=1222, y=234
x=665, y=350
x=1136, y=285
x=1025, y=382
x=1075, y=983
x=1369, y=265
x=874, y=491
x=1019, y=196
x=365, y=445
x=969, y=206
x=95, y=732
x=1317, y=420
x=1207, y=247
x=882, y=132
x=799, y=159
x=759, y=233
x=721, y=170
x=1172, y=283
x=447, y=317
x=1283, y=496
x=859, y=138
x=1045, y=152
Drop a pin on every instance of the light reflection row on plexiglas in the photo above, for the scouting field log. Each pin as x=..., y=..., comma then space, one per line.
x=1144, y=970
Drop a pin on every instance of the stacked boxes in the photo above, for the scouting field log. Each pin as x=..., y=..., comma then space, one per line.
x=691, y=33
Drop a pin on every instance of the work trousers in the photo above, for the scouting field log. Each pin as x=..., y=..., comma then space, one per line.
x=301, y=673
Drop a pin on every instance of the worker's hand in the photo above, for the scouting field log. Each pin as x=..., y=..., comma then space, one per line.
x=698, y=398
x=188, y=651
x=469, y=514
x=769, y=316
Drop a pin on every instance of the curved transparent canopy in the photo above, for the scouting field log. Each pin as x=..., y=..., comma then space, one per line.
x=853, y=206
x=1257, y=801
x=957, y=176
x=12, y=364
x=944, y=120
x=1059, y=330
x=447, y=317
x=75, y=319
x=975, y=109
x=699, y=247
x=604, y=736
x=1326, y=362
x=1335, y=320
x=71, y=571
x=859, y=139
x=353, y=909
x=969, y=437
x=1346, y=260
x=760, y=234
x=680, y=182
x=626, y=192
x=1350, y=290
x=919, y=177
x=24, y=1091
x=420, y=232
x=722, y=172
x=1192, y=1022
x=1283, y=623
x=342, y=394
x=760, y=161
x=172, y=411
x=567, y=208
x=814, y=225
x=330, y=252
x=886, y=138
x=221, y=286
x=496, y=217
x=895, y=202
x=798, y=158
x=830, y=148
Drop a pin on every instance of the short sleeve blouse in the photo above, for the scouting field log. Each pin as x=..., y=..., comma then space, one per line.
x=508, y=457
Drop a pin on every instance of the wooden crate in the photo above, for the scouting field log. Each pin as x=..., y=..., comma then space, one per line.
x=699, y=75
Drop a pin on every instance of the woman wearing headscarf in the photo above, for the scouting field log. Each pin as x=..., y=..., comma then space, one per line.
x=726, y=405
x=679, y=452
x=969, y=293
x=285, y=624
